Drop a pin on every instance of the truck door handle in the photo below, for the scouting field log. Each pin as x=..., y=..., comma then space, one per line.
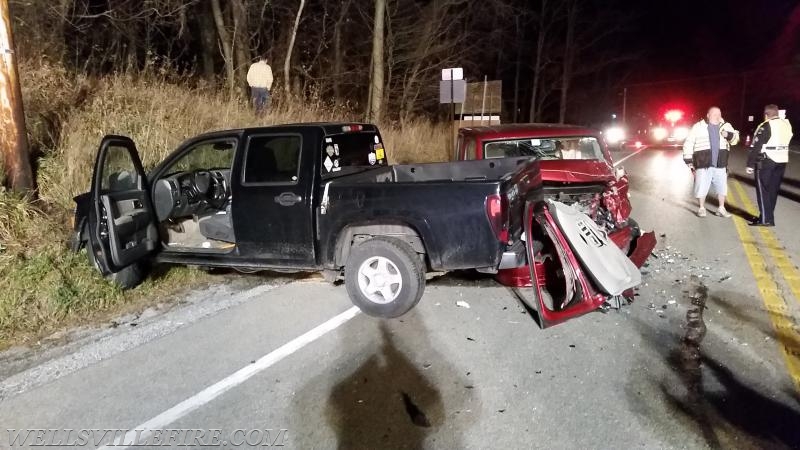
x=288, y=199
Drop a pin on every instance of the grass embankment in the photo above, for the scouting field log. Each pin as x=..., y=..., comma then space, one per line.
x=43, y=286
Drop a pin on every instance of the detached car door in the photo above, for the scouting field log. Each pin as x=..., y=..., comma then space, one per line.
x=575, y=267
x=122, y=227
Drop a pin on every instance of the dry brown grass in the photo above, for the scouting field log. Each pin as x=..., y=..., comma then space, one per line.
x=44, y=285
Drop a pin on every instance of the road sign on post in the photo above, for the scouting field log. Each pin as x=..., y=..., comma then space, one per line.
x=452, y=90
x=13, y=140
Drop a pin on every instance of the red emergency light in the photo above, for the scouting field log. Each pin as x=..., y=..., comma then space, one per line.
x=673, y=115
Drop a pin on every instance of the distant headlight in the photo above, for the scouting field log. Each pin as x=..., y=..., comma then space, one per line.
x=660, y=133
x=681, y=133
x=615, y=135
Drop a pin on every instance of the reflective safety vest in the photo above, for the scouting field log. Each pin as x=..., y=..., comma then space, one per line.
x=777, y=147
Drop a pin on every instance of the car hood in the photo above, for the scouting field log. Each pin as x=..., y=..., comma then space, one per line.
x=576, y=171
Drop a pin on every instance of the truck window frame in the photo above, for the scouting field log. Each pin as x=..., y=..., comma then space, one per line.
x=247, y=143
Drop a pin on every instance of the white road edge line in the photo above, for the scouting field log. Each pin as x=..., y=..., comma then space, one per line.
x=629, y=156
x=215, y=390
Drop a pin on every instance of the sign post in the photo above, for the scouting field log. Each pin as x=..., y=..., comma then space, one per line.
x=452, y=90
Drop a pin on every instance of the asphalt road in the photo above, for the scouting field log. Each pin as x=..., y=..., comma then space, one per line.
x=296, y=356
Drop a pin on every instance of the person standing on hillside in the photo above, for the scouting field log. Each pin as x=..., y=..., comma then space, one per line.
x=706, y=151
x=259, y=78
x=768, y=157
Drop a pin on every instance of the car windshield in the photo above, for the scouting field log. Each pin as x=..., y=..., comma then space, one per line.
x=352, y=150
x=577, y=147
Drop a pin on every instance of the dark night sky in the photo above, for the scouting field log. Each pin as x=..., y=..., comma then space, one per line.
x=686, y=38
x=681, y=39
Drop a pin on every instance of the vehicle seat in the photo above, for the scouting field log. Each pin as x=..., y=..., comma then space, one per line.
x=218, y=226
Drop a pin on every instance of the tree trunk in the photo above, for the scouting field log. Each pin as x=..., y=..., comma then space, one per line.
x=566, y=74
x=338, y=51
x=516, y=69
x=227, y=52
x=13, y=139
x=376, y=84
x=287, y=63
x=368, y=108
x=241, y=41
x=208, y=39
x=537, y=65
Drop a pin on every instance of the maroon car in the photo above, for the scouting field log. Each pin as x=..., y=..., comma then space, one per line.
x=577, y=170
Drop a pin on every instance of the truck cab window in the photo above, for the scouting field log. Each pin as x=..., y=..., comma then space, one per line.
x=272, y=159
x=206, y=156
x=579, y=147
x=119, y=172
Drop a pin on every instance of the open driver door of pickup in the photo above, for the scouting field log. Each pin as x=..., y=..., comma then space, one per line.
x=122, y=227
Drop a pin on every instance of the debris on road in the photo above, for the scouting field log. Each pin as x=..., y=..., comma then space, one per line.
x=462, y=304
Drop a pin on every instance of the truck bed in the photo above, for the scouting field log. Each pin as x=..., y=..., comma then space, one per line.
x=445, y=203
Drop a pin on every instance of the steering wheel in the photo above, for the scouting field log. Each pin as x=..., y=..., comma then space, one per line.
x=201, y=182
x=218, y=195
x=212, y=187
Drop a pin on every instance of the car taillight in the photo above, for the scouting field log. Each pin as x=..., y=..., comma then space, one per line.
x=497, y=213
x=349, y=128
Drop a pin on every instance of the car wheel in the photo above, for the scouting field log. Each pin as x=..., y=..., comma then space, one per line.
x=384, y=277
x=127, y=278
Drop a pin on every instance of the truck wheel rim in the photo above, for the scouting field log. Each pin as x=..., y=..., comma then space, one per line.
x=379, y=280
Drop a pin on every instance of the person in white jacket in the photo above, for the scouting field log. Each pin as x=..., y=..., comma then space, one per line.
x=706, y=151
x=259, y=78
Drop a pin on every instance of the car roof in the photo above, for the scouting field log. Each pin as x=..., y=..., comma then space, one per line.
x=524, y=130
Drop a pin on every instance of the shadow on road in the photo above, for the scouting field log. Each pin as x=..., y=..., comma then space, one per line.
x=724, y=408
x=362, y=408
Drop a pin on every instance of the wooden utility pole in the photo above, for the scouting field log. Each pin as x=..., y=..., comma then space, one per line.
x=13, y=138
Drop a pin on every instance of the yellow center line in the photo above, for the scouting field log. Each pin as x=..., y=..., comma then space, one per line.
x=788, y=270
x=776, y=307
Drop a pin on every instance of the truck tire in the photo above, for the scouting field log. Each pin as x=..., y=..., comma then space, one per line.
x=384, y=277
x=127, y=278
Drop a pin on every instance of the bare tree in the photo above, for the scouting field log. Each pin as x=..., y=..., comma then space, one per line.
x=241, y=39
x=208, y=38
x=545, y=23
x=566, y=77
x=225, y=44
x=423, y=41
x=338, y=48
x=376, y=81
x=287, y=88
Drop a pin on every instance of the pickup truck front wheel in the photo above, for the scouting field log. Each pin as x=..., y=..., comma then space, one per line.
x=384, y=277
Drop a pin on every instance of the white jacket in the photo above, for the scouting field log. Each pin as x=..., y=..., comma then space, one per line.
x=698, y=138
x=260, y=75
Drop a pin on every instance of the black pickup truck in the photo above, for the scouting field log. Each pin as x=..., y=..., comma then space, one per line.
x=301, y=197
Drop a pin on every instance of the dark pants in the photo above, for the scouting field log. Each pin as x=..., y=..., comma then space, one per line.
x=769, y=175
x=260, y=98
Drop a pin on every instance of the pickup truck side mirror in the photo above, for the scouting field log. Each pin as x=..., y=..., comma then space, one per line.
x=619, y=172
